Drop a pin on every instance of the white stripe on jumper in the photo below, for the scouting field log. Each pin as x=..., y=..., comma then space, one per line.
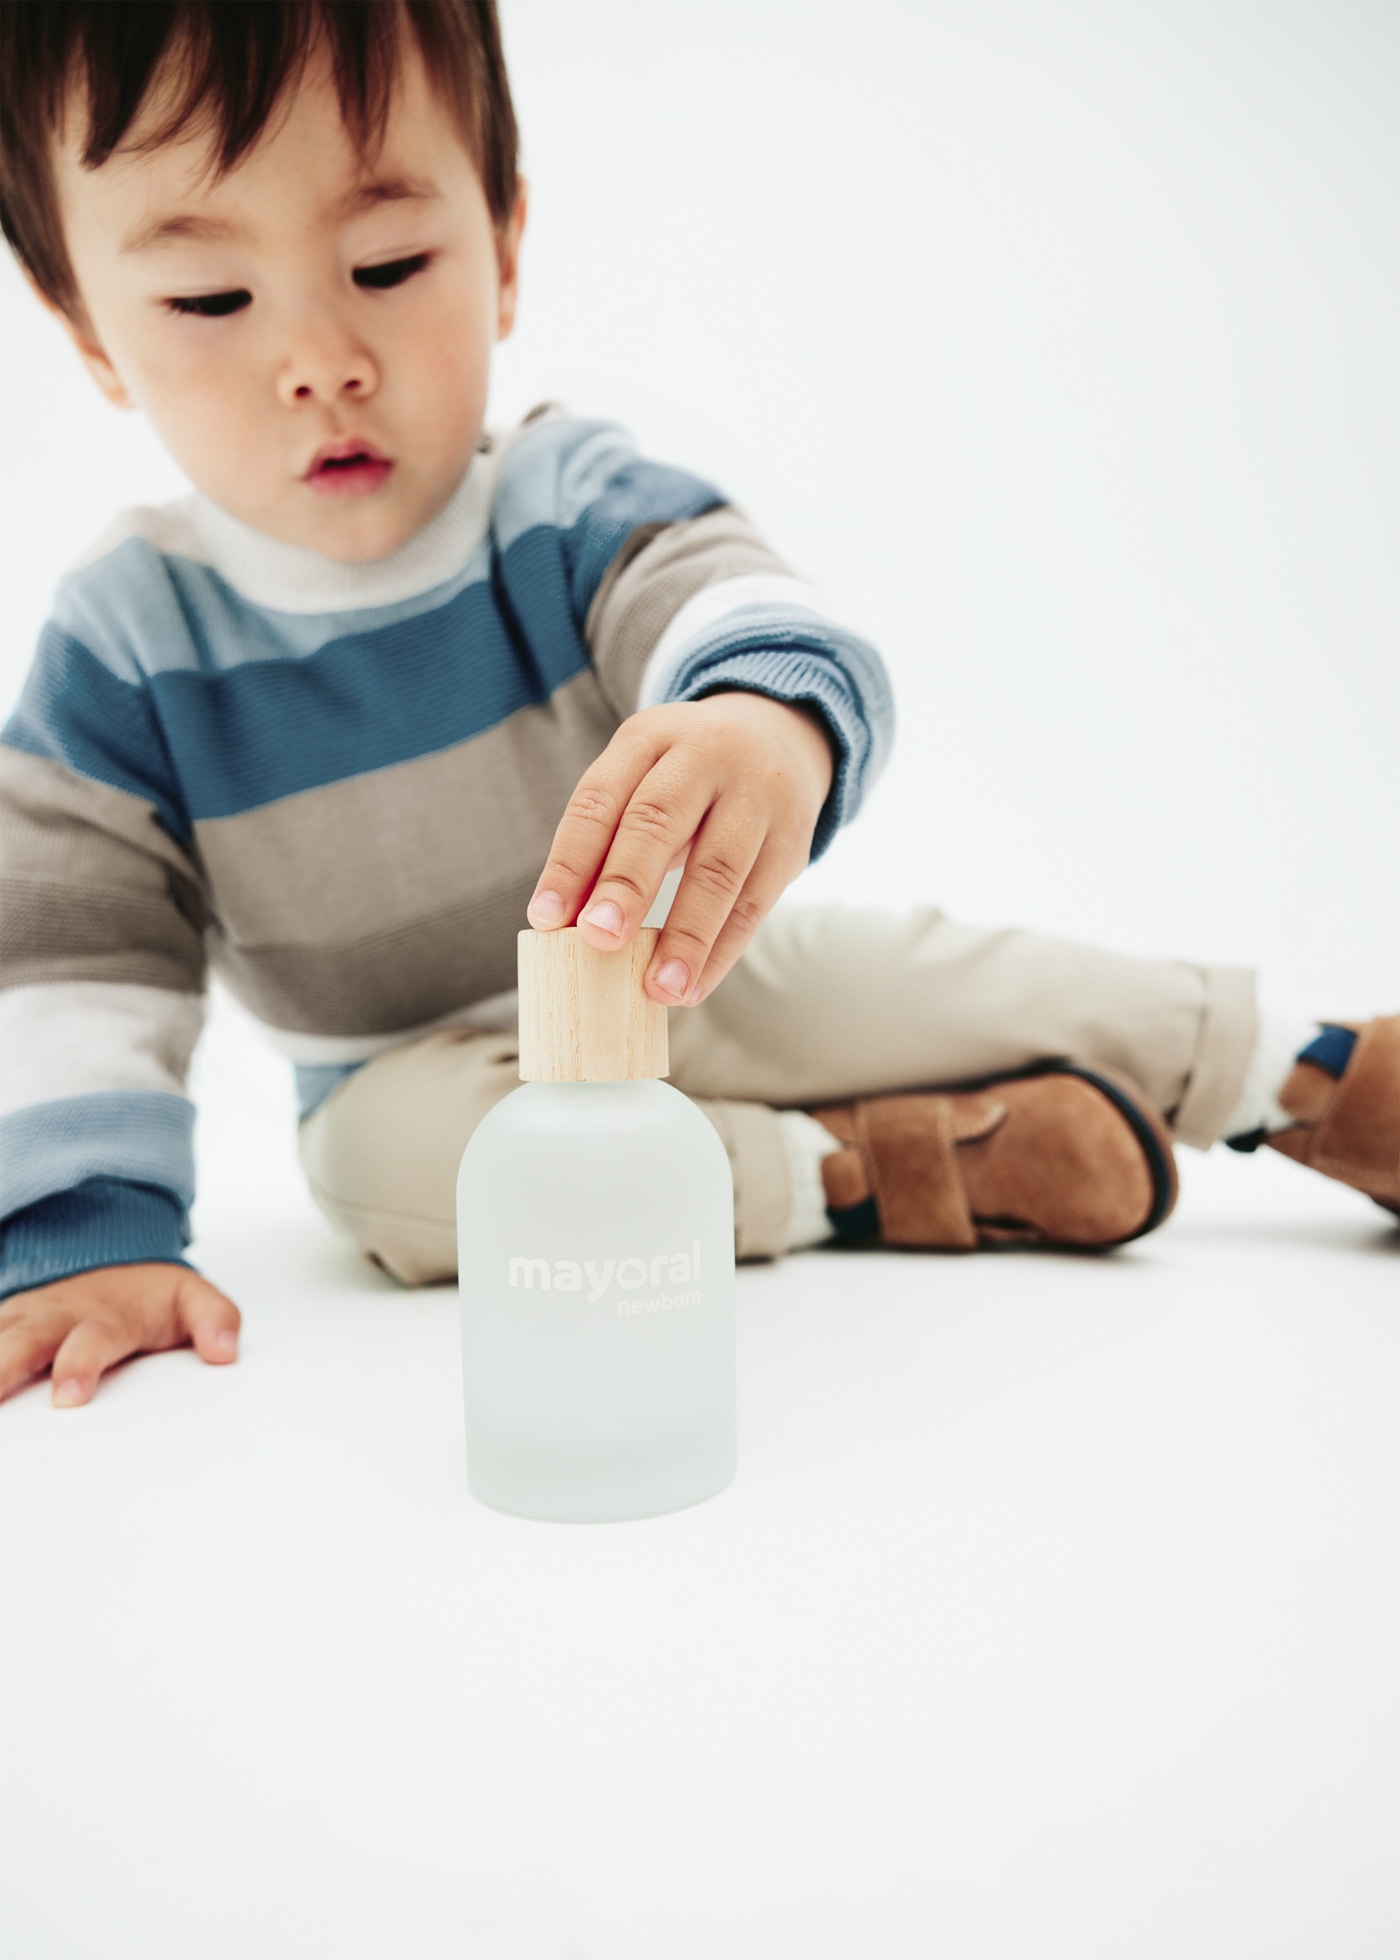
x=78, y=1036
x=710, y=607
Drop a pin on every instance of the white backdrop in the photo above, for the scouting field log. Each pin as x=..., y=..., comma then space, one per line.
x=1055, y=1610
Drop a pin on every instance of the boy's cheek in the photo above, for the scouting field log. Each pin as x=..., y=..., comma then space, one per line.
x=170, y=377
x=203, y=421
x=212, y=400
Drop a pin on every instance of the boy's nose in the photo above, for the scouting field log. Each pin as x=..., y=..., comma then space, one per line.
x=325, y=367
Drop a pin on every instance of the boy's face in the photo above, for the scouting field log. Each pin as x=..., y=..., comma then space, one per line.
x=311, y=334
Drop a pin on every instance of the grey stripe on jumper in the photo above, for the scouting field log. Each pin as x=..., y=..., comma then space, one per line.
x=645, y=588
x=400, y=844
x=387, y=981
x=94, y=888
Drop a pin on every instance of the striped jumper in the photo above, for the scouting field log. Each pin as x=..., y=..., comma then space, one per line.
x=334, y=784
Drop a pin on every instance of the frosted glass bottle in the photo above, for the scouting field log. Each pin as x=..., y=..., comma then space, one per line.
x=595, y=1234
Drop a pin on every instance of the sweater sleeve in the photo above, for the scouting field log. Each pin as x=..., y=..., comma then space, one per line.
x=677, y=596
x=101, y=976
x=704, y=606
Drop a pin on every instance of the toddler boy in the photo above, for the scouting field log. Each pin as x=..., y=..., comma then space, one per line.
x=319, y=725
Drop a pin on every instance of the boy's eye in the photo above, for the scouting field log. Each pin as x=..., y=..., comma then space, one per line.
x=211, y=306
x=379, y=277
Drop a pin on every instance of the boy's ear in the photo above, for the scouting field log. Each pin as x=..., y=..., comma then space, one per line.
x=508, y=259
x=88, y=346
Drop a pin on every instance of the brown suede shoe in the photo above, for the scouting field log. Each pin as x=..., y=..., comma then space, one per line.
x=1349, y=1127
x=1058, y=1155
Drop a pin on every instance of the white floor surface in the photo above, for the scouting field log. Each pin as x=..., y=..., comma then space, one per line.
x=1055, y=1612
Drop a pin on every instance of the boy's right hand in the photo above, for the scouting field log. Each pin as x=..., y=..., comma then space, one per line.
x=85, y=1325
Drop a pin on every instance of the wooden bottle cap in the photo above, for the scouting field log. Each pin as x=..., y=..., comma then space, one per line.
x=583, y=1015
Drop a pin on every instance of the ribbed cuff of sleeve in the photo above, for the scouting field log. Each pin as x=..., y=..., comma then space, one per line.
x=802, y=680
x=103, y=1222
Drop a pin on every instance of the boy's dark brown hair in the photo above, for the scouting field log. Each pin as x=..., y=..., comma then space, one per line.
x=231, y=62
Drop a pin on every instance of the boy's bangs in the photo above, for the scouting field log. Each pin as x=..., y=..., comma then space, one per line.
x=222, y=67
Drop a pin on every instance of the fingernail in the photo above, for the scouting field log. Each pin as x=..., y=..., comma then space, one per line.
x=225, y=1343
x=673, y=978
x=67, y=1393
x=545, y=909
x=606, y=916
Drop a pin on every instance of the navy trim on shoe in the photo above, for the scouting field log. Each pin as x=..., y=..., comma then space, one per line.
x=1163, y=1172
x=1330, y=1051
x=852, y=1222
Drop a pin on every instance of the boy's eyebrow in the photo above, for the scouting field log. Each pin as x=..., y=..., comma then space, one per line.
x=181, y=225
x=174, y=227
x=386, y=190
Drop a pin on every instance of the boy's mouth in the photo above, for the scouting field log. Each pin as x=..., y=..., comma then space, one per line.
x=348, y=468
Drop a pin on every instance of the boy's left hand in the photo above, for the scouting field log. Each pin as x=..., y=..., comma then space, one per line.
x=733, y=785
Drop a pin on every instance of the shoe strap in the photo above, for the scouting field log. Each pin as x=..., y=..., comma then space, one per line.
x=909, y=1147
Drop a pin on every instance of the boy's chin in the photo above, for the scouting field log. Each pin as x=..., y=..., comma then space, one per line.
x=356, y=544
x=350, y=531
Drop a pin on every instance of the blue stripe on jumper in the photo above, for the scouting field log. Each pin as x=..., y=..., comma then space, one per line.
x=74, y=710
x=145, y=1136
x=810, y=662
x=204, y=746
x=103, y=1222
x=586, y=479
x=143, y=612
x=562, y=513
x=315, y=1081
x=201, y=745
x=638, y=493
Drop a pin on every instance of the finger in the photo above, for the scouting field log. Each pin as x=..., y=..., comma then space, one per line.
x=762, y=890
x=660, y=821
x=726, y=847
x=210, y=1319
x=28, y=1346
x=589, y=823
x=93, y=1346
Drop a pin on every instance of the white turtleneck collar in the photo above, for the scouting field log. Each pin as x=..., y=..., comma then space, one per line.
x=285, y=578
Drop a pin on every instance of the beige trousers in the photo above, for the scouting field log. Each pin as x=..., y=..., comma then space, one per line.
x=827, y=1004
